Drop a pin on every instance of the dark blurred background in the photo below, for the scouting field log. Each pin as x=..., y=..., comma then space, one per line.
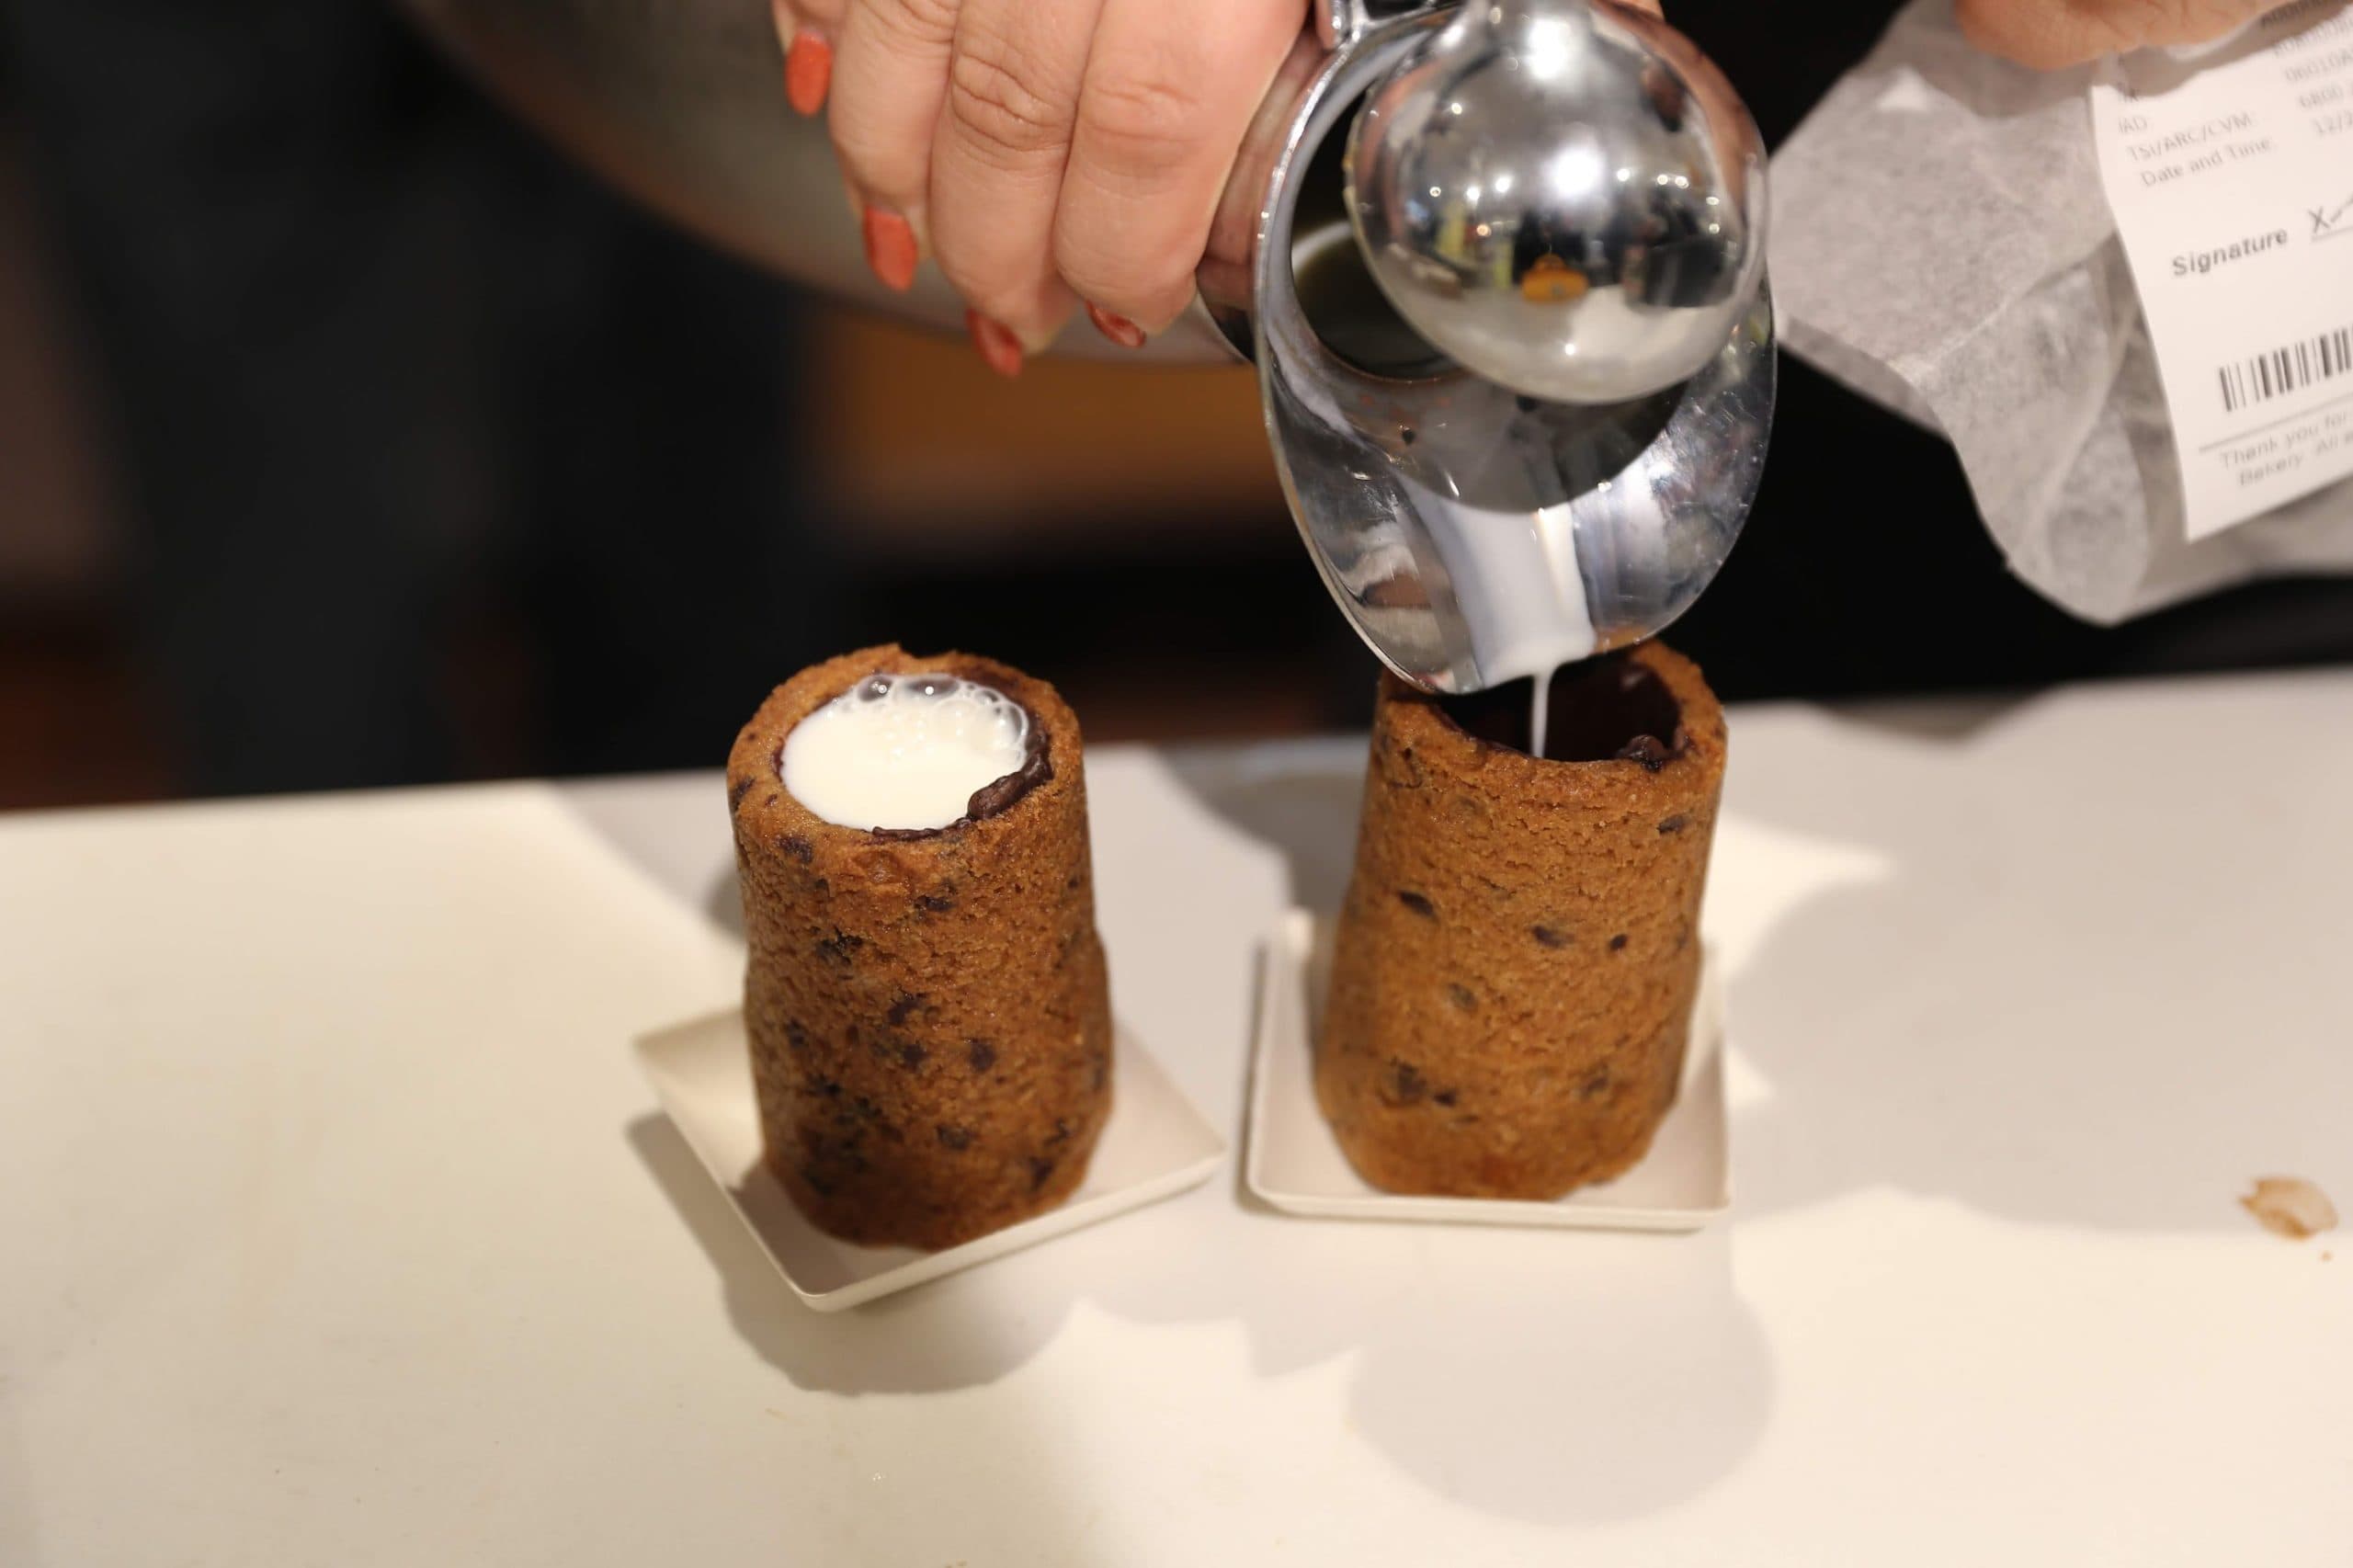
x=348, y=436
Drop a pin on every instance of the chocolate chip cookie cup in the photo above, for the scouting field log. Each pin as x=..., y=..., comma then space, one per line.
x=929, y=1012
x=1519, y=954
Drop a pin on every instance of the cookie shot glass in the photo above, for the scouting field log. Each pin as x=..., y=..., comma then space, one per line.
x=1518, y=955
x=926, y=996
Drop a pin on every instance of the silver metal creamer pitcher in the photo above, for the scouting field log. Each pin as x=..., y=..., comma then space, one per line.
x=1499, y=268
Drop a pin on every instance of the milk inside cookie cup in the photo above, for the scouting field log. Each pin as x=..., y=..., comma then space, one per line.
x=904, y=751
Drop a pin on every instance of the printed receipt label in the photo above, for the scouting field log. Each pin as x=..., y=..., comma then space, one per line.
x=2231, y=176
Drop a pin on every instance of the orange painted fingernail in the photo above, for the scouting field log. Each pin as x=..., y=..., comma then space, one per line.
x=996, y=342
x=807, y=71
x=891, y=248
x=1118, y=329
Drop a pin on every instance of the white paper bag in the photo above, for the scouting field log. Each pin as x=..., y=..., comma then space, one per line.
x=1942, y=243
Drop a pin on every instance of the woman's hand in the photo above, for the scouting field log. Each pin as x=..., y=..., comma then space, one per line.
x=1046, y=153
x=2048, y=34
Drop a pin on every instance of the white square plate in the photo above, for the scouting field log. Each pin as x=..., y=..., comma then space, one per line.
x=1155, y=1145
x=1293, y=1162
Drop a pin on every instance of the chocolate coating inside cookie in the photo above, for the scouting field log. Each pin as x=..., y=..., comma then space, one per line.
x=1612, y=706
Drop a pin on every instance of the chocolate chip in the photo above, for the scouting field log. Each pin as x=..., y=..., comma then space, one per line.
x=936, y=905
x=1061, y=1134
x=1549, y=936
x=955, y=1137
x=904, y=1005
x=867, y=1117
x=910, y=1055
x=1070, y=885
x=1618, y=943
x=1102, y=1070
x=1418, y=904
x=1683, y=937
x=836, y=948
x=1444, y=1098
x=1405, y=1083
x=1407, y=434
x=1041, y=1168
x=795, y=1035
x=826, y=1088
x=981, y=1054
x=792, y=844
x=737, y=790
x=835, y=1154
x=816, y=1185
x=1462, y=998
x=1648, y=750
x=1675, y=823
x=1599, y=1083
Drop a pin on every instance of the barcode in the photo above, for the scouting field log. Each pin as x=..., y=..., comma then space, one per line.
x=2288, y=369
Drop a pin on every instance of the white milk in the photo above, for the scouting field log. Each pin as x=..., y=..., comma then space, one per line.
x=903, y=751
x=1540, y=713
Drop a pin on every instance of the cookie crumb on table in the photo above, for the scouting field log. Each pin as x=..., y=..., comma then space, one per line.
x=2290, y=1206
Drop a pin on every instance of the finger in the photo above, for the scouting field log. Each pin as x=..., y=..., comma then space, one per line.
x=2050, y=34
x=2043, y=34
x=890, y=77
x=1170, y=90
x=996, y=162
x=805, y=31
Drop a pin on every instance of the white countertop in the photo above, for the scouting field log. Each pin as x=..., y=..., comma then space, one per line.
x=336, y=1225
